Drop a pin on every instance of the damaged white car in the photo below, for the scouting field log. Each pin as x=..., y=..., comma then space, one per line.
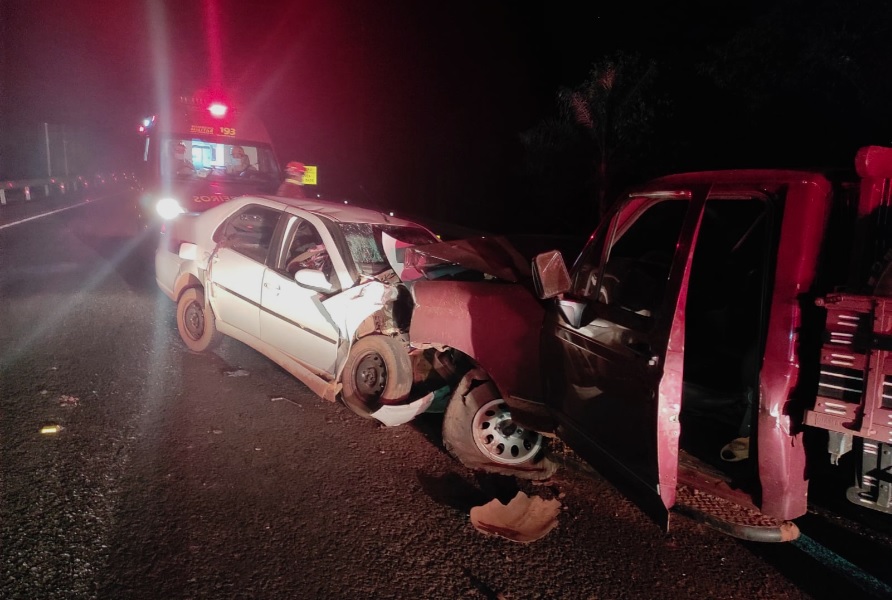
x=370, y=310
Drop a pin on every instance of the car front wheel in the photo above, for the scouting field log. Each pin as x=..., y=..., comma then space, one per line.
x=377, y=372
x=195, y=321
x=478, y=430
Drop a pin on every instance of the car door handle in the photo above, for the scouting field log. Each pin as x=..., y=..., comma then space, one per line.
x=276, y=288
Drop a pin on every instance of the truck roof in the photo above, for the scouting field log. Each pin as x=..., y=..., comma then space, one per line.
x=737, y=176
x=189, y=119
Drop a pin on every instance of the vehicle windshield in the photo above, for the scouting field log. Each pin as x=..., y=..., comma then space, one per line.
x=367, y=250
x=195, y=158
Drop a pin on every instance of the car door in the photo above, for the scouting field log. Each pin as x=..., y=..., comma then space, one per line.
x=613, y=346
x=238, y=264
x=293, y=318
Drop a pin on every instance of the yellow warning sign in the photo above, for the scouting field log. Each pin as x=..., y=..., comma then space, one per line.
x=310, y=175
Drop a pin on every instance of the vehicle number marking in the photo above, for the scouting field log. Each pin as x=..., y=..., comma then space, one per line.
x=230, y=131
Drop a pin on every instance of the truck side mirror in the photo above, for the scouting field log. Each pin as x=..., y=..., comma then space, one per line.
x=550, y=275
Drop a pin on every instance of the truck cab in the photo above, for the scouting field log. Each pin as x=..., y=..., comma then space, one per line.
x=688, y=349
x=201, y=151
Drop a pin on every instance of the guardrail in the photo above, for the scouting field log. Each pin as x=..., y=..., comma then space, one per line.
x=24, y=189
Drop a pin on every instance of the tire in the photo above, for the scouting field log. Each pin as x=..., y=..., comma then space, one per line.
x=377, y=372
x=196, y=322
x=479, y=432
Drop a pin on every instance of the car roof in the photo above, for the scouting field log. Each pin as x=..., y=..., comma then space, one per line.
x=335, y=211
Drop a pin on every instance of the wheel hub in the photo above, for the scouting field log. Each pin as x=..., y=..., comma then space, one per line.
x=371, y=375
x=194, y=320
x=500, y=438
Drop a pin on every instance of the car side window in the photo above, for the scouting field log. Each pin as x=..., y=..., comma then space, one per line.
x=250, y=231
x=304, y=249
x=627, y=264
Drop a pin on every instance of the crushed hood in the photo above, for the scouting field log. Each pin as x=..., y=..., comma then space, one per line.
x=493, y=256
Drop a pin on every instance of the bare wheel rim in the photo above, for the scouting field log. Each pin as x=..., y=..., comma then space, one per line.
x=193, y=320
x=500, y=438
x=370, y=377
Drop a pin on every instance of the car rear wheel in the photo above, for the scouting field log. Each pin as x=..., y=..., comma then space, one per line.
x=377, y=372
x=478, y=430
x=196, y=322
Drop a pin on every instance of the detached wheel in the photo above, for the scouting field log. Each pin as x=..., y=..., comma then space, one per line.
x=478, y=431
x=196, y=322
x=377, y=372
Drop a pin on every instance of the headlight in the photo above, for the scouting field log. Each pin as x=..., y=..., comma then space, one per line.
x=168, y=208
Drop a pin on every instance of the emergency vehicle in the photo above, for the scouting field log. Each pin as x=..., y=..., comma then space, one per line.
x=200, y=152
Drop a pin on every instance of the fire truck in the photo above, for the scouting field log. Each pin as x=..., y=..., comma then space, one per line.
x=200, y=151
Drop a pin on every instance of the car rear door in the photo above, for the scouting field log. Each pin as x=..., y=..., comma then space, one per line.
x=613, y=346
x=237, y=266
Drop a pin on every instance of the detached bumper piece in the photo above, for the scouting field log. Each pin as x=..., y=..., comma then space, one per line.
x=731, y=518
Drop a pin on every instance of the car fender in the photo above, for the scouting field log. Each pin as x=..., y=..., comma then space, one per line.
x=185, y=281
x=496, y=324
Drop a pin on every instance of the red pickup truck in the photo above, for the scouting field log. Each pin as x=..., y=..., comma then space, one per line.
x=715, y=329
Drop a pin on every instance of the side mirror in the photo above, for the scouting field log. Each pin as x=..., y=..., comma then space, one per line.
x=188, y=251
x=550, y=275
x=315, y=280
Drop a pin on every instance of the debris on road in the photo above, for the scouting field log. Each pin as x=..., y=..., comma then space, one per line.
x=284, y=399
x=236, y=373
x=392, y=416
x=523, y=519
x=66, y=400
x=50, y=429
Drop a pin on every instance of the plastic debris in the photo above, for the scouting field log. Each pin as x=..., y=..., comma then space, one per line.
x=65, y=400
x=236, y=373
x=403, y=413
x=50, y=429
x=523, y=519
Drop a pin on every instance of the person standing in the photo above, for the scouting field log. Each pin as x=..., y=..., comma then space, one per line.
x=293, y=186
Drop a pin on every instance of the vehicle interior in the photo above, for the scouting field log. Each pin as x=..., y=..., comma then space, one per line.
x=724, y=325
x=206, y=159
x=306, y=250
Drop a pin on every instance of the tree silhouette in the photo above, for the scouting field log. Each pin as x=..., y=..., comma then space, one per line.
x=602, y=133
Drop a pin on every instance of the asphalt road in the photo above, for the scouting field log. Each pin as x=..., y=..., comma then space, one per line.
x=179, y=475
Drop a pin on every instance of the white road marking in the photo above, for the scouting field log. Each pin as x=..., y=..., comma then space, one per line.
x=46, y=214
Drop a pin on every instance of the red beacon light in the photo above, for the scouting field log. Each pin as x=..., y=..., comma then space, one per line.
x=218, y=109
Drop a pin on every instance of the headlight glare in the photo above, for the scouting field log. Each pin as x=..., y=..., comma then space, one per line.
x=168, y=208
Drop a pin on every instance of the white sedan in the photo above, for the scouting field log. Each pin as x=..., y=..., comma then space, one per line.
x=352, y=303
x=294, y=279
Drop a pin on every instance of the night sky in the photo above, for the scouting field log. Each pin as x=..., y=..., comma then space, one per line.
x=416, y=106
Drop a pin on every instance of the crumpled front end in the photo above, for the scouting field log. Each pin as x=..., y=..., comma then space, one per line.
x=497, y=325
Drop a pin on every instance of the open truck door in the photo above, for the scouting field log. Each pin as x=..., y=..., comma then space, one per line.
x=614, y=348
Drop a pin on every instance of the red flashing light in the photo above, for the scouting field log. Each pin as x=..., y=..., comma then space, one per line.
x=142, y=129
x=218, y=109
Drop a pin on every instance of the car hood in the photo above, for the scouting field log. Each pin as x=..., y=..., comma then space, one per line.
x=493, y=257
